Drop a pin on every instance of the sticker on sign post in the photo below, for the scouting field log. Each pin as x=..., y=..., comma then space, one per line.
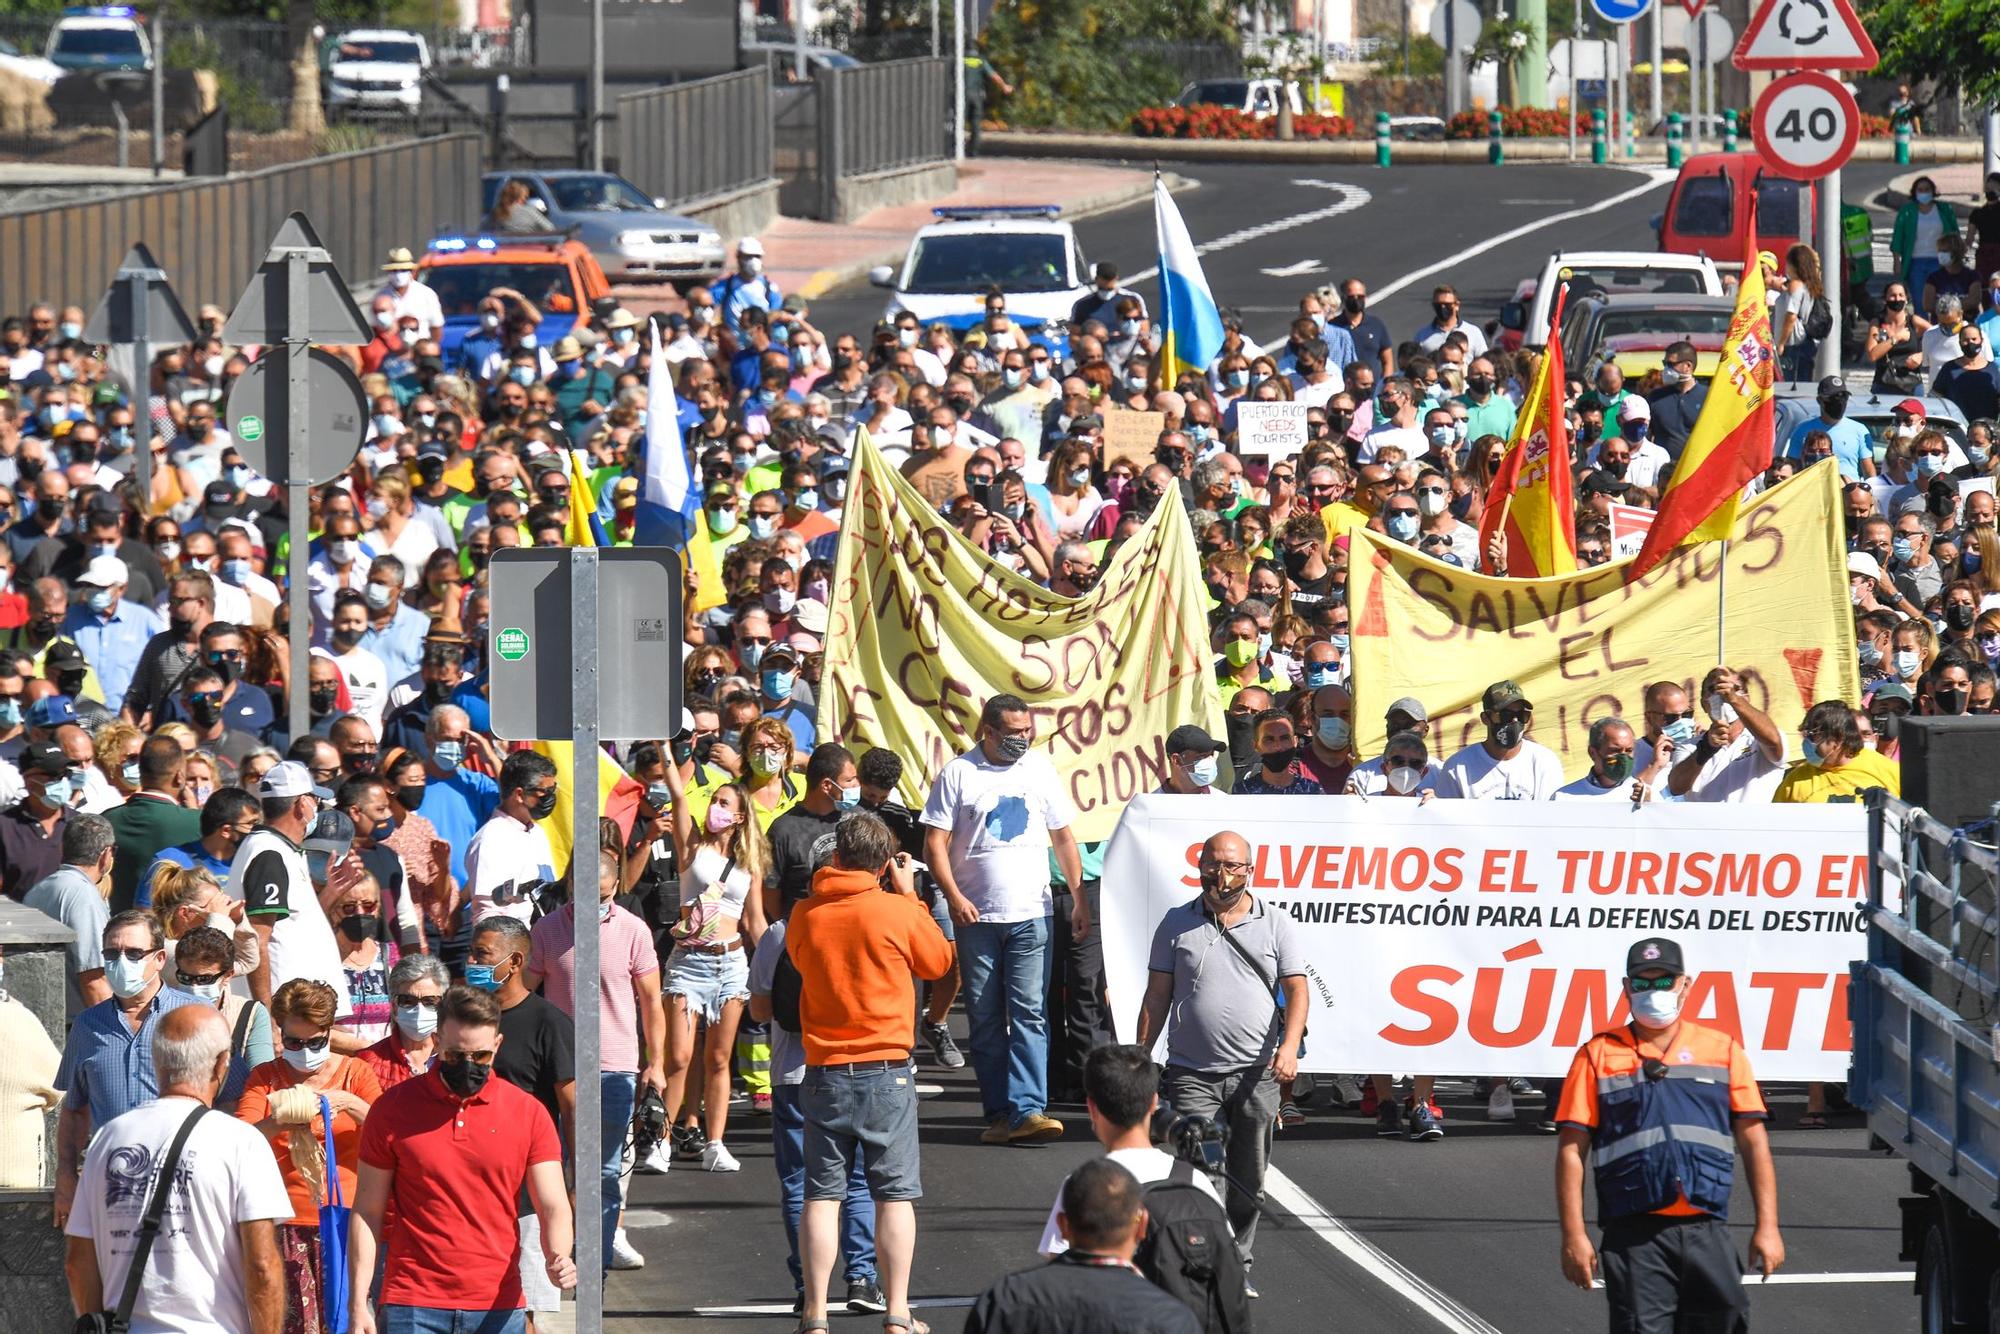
x=1805, y=125
x=511, y=644
x=251, y=428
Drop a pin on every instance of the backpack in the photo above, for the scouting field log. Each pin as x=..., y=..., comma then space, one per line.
x=1819, y=319
x=786, y=986
x=1189, y=1252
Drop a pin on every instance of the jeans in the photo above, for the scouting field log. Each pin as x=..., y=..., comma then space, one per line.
x=1077, y=995
x=1247, y=1101
x=857, y=1216
x=437, y=1320
x=1005, y=970
x=863, y=1114
x=620, y=1091
x=1798, y=359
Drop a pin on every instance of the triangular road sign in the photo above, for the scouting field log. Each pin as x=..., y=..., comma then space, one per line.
x=330, y=315
x=1694, y=7
x=1805, y=34
x=139, y=298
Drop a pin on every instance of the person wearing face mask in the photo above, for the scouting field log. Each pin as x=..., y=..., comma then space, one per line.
x=1328, y=757
x=1611, y=776
x=1946, y=690
x=747, y=288
x=1741, y=757
x=832, y=790
x=1215, y=964
x=1240, y=661
x=410, y=297
x=511, y=850
x=201, y=704
x=1505, y=765
x=1445, y=321
x=1674, y=1095
x=31, y=830
x=365, y=801
x=1853, y=451
x=1194, y=766
x=416, y=987
x=438, y=680
x=1922, y=224
x=271, y=876
x=1973, y=381
x=1917, y=575
x=1278, y=773
x=777, y=677
x=114, y=1035
x=227, y=818
x=77, y=894
x=1836, y=766
x=111, y=631
x=395, y=630
x=201, y=963
x=1403, y=769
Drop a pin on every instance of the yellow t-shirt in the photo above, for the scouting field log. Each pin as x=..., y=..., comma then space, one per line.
x=794, y=789
x=1845, y=782
x=1340, y=517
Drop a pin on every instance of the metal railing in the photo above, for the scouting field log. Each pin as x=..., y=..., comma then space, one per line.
x=880, y=117
x=211, y=234
x=697, y=140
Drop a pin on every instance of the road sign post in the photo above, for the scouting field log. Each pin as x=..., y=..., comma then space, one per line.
x=295, y=299
x=608, y=625
x=138, y=310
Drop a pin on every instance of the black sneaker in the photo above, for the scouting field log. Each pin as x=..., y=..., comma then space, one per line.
x=864, y=1294
x=1389, y=1120
x=689, y=1142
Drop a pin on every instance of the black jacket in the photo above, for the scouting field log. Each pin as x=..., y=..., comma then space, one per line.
x=1065, y=1296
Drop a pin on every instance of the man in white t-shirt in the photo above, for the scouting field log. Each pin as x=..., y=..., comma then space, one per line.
x=1742, y=757
x=269, y=875
x=993, y=816
x=1506, y=766
x=367, y=679
x=1121, y=1089
x=510, y=850
x=1610, y=778
x=214, y=1264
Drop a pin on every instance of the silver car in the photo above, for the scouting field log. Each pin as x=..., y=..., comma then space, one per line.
x=633, y=237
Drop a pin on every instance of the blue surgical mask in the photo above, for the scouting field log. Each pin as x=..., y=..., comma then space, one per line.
x=1129, y=328
x=71, y=331
x=99, y=600
x=239, y=476
x=850, y=798
x=1681, y=731
x=126, y=979
x=522, y=375
x=1870, y=654
x=10, y=712
x=1903, y=549
x=1322, y=674
x=802, y=357
x=1239, y=379
x=1012, y=377
x=1656, y=1009
x=419, y=1021
x=807, y=500
x=1335, y=733
x=1264, y=644
x=237, y=571
x=763, y=527
x=778, y=683
x=1907, y=662
x=1202, y=773
x=1339, y=642
x=58, y=792
x=480, y=975
x=448, y=755
x=1929, y=465
x=1402, y=527
x=1809, y=749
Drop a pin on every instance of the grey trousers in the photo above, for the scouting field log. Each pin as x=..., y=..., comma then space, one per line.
x=1247, y=1102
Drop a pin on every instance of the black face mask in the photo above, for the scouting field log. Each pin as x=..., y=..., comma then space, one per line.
x=1895, y=305
x=1296, y=560
x=358, y=927
x=438, y=692
x=1144, y=500
x=71, y=683
x=359, y=762
x=1083, y=583
x=411, y=797
x=1239, y=726
x=1354, y=305
x=323, y=698
x=1960, y=615
x=512, y=408
x=960, y=404
x=1480, y=384
x=706, y=682
x=206, y=713
x=1507, y=734
x=1951, y=702
x=1833, y=407
x=224, y=666
x=1277, y=761
x=464, y=1078
x=545, y=805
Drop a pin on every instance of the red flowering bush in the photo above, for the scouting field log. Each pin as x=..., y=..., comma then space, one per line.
x=1213, y=122
x=1516, y=123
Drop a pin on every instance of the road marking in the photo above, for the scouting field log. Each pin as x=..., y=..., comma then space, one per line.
x=647, y=1218
x=1655, y=178
x=1449, y=1315
x=1351, y=198
x=1297, y=270
x=1877, y=1276
x=785, y=1308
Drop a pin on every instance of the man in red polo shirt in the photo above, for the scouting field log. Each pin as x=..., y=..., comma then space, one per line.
x=452, y=1149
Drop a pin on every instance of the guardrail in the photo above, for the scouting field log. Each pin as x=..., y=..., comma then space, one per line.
x=880, y=117
x=211, y=234
x=697, y=140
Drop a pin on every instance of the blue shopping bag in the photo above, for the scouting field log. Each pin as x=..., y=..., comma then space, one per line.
x=333, y=1218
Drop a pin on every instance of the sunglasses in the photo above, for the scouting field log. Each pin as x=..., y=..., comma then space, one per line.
x=1666, y=983
x=197, y=979
x=482, y=1056
x=131, y=954
x=305, y=1044
x=406, y=999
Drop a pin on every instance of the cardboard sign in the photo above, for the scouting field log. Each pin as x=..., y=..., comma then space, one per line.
x=1132, y=434
x=1629, y=526
x=1274, y=431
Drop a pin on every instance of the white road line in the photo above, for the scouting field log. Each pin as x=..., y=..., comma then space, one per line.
x=1655, y=178
x=1878, y=1276
x=1449, y=1315
x=1351, y=198
x=785, y=1308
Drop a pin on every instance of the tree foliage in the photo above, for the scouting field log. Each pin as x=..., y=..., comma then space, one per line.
x=1953, y=43
x=1092, y=63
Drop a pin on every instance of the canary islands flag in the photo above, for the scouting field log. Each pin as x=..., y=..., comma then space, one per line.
x=1192, y=327
x=1733, y=437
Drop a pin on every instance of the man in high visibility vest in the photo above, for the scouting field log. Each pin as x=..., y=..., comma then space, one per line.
x=1662, y=1104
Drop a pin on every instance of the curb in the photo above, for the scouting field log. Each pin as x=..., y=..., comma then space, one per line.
x=1138, y=151
x=826, y=280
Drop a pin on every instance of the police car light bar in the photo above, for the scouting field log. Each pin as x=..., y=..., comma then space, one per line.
x=454, y=244
x=969, y=212
x=101, y=12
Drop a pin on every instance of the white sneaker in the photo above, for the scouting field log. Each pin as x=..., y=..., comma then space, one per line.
x=658, y=1161
x=1500, y=1107
x=623, y=1254
x=717, y=1158
x=1345, y=1088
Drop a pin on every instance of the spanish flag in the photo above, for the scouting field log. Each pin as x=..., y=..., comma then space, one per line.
x=618, y=797
x=1732, y=439
x=1191, y=326
x=585, y=528
x=1530, y=498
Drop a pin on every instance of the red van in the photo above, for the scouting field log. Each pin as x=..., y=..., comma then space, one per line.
x=1708, y=210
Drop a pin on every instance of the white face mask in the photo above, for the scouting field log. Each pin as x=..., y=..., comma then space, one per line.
x=1403, y=779
x=1720, y=709
x=1656, y=1009
x=307, y=1060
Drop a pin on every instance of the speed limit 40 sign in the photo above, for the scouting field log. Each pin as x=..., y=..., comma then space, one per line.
x=1805, y=126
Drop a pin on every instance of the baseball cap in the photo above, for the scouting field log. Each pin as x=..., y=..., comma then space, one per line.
x=1501, y=694
x=219, y=495
x=1189, y=738
x=291, y=779
x=51, y=711
x=1604, y=484
x=779, y=650
x=1912, y=407
x=809, y=614
x=1635, y=409
x=1413, y=708
x=62, y=656
x=1860, y=562
x=749, y=245
x=46, y=758
x=104, y=508
x=105, y=572
x=1893, y=690
x=332, y=832
x=1654, y=952
x=1832, y=384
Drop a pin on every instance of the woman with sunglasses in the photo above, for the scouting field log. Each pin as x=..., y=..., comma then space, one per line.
x=416, y=988
x=354, y=905
x=282, y=1100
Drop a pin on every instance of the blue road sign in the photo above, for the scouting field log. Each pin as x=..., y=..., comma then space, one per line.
x=1620, y=11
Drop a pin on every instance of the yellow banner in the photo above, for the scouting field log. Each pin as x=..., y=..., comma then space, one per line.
x=924, y=628
x=1772, y=602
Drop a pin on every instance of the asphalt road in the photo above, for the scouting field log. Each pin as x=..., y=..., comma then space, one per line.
x=1452, y=1237
x=1455, y=1236
x=1272, y=232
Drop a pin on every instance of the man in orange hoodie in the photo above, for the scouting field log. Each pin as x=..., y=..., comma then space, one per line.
x=860, y=942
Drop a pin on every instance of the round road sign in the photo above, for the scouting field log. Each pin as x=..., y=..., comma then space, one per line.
x=259, y=414
x=1620, y=11
x=1805, y=126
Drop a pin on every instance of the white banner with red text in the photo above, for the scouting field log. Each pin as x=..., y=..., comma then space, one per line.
x=1489, y=938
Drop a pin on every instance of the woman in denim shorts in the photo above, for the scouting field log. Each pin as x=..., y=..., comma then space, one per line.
x=708, y=973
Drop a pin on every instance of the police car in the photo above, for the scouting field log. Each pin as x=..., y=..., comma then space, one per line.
x=92, y=38
x=1025, y=250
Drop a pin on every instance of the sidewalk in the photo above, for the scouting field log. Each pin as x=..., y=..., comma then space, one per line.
x=813, y=258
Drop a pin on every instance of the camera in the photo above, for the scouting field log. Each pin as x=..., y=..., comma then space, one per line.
x=1197, y=1140
x=649, y=1125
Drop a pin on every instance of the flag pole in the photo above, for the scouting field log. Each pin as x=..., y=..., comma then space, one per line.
x=1162, y=355
x=1722, y=606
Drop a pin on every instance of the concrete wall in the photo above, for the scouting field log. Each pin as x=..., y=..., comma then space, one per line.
x=744, y=212
x=856, y=195
x=33, y=1294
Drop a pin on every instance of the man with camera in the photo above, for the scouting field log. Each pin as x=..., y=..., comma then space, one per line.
x=1229, y=969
